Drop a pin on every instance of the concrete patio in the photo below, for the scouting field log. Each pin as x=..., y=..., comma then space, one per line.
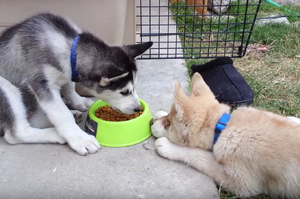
x=135, y=172
x=55, y=171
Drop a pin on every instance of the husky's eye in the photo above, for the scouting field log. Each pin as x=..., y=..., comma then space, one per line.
x=125, y=92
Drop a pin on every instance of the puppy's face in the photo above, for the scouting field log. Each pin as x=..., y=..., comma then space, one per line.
x=189, y=119
x=109, y=72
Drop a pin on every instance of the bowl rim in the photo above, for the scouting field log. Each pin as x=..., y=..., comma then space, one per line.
x=96, y=119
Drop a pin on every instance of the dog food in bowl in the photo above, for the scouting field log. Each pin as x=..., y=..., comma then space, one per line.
x=109, y=114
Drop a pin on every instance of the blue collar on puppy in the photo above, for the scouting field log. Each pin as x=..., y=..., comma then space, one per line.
x=75, y=75
x=221, y=126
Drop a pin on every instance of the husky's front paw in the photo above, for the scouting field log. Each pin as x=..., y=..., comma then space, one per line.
x=77, y=115
x=82, y=104
x=84, y=144
x=165, y=148
x=87, y=102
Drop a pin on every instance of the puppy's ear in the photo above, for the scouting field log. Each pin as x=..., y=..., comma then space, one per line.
x=106, y=81
x=135, y=50
x=112, y=75
x=180, y=100
x=199, y=86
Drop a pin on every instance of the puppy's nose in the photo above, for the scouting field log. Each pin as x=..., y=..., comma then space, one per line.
x=138, y=109
x=151, y=122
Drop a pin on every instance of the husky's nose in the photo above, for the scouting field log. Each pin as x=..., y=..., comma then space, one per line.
x=138, y=109
x=151, y=122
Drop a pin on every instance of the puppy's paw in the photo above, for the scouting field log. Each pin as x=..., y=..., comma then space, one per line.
x=160, y=114
x=157, y=126
x=82, y=104
x=165, y=148
x=77, y=115
x=87, y=102
x=84, y=144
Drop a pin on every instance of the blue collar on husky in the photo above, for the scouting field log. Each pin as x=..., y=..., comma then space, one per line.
x=221, y=126
x=75, y=75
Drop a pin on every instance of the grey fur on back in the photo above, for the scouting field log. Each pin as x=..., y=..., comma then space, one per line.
x=27, y=47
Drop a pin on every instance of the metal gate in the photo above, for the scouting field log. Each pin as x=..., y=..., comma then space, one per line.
x=195, y=28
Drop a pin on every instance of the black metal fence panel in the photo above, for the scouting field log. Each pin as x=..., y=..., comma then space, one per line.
x=195, y=28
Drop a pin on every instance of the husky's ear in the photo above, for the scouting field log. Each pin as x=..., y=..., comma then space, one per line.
x=199, y=86
x=135, y=50
x=180, y=100
x=112, y=75
x=106, y=81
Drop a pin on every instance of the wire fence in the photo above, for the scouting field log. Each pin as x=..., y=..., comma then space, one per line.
x=195, y=28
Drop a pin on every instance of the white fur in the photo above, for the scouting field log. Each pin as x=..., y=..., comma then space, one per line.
x=125, y=104
x=257, y=152
x=74, y=100
x=61, y=45
x=60, y=116
x=24, y=133
x=105, y=81
x=294, y=119
x=46, y=71
x=40, y=120
x=157, y=129
x=195, y=157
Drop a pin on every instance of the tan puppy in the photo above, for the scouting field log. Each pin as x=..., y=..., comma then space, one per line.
x=257, y=152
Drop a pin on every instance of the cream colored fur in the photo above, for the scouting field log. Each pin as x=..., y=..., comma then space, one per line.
x=258, y=151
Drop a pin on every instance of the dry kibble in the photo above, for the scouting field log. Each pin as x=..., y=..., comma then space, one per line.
x=109, y=114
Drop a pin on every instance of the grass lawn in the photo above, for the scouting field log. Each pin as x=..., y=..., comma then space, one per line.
x=273, y=75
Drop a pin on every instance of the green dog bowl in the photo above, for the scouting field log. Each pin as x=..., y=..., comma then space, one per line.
x=118, y=134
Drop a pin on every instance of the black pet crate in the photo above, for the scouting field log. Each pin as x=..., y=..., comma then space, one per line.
x=185, y=29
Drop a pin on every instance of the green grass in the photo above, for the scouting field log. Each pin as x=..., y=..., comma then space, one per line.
x=275, y=81
x=266, y=9
x=281, y=37
x=209, y=31
x=227, y=195
x=206, y=31
x=273, y=75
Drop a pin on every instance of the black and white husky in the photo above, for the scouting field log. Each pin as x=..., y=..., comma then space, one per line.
x=40, y=58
